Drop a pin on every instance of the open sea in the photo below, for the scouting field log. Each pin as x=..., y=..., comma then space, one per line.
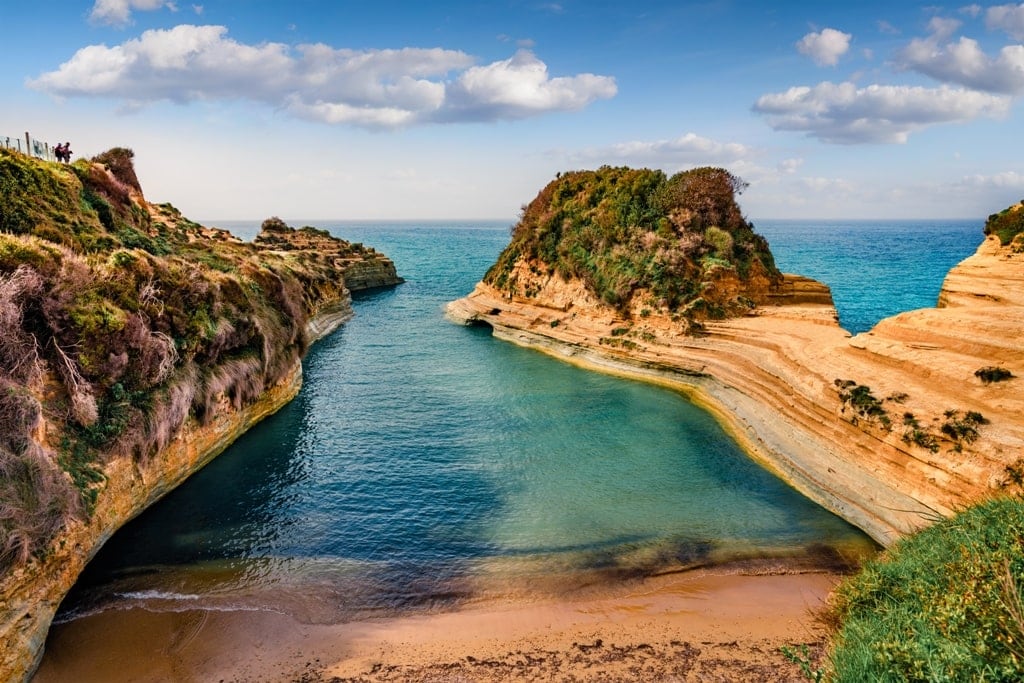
x=425, y=465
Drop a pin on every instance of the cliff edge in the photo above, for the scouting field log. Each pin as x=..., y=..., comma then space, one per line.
x=135, y=345
x=891, y=429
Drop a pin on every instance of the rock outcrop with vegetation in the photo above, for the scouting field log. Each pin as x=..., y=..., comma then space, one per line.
x=1008, y=226
x=640, y=241
x=134, y=346
x=891, y=429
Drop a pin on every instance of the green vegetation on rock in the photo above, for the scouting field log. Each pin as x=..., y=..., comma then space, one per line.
x=120, y=320
x=680, y=243
x=945, y=604
x=1007, y=225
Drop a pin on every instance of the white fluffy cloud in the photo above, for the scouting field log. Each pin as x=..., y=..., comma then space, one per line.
x=519, y=87
x=685, y=150
x=119, y=12
x=963, y=62
x=1008, y=18
x=843, y=113
x=825, y=47
x=371, y=88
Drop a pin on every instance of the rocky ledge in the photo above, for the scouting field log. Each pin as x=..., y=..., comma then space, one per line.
x=890, y=429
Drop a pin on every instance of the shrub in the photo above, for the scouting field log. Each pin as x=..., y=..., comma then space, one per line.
x=721, y=242
x=962, y=429
x=859, y=397
x=944, y=604
x=992, y=373
x=1013, y=475
x=36, y=502
x=118, y=161
x=914, y=433
x=1006, y=224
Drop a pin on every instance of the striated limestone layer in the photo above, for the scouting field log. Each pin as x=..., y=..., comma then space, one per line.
x=770, y=378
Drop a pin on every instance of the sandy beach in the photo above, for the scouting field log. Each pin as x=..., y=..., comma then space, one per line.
x=694, y=626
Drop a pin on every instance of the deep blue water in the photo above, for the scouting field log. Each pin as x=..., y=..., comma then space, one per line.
x=425, y=463
x=876, y=269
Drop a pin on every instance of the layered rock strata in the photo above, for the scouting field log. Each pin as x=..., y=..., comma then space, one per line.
x=780, y=380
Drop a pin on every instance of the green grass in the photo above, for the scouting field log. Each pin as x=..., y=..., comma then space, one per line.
x=944, y=604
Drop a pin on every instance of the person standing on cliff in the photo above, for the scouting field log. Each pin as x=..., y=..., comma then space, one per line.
x=58, y=151
x=67, y=152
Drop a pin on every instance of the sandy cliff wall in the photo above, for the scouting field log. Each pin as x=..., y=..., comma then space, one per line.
x=31, y=595
x=137, y=344
x=770, y=377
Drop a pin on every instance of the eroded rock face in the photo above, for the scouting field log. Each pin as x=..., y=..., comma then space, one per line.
x=137, y=306
x=780, y=380
x=31, y=594
x=370, y=274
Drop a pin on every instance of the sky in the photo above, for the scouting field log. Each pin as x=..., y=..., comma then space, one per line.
x=243, y=109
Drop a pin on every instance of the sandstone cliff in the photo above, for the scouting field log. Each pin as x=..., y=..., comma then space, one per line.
x=135, y=345
x=890, y=429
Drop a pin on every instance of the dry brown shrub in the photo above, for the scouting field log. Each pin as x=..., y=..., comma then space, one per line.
x=19, y=349
x=36, y=497
x=83, y=403
x=108, y=187
x=148, y=434
x=239, y=381
x=20, y=414
x=118, y=161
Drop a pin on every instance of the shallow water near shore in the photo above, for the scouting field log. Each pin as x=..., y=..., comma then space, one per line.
x=425, y=465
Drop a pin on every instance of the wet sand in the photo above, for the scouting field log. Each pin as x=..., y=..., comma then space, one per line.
x=695, y=626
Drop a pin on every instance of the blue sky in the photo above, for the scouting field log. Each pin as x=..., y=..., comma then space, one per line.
x=242, y=109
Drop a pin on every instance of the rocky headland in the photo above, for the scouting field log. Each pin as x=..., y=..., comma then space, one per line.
x=135, y=346
x=662, y=279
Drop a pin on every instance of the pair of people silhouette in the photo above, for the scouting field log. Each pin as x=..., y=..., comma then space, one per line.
x=63, y=152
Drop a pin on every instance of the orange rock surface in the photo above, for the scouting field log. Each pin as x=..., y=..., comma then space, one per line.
x=770, y=378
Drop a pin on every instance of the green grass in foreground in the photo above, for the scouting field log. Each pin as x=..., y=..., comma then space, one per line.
x=942, y=605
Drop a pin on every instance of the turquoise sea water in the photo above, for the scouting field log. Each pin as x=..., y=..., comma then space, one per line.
x=875, y=268
x=426, y=464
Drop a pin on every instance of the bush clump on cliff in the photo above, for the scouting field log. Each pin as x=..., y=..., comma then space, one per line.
x=119, y=321
x=635, y=232
x=944, y=604
x=1006, y=224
